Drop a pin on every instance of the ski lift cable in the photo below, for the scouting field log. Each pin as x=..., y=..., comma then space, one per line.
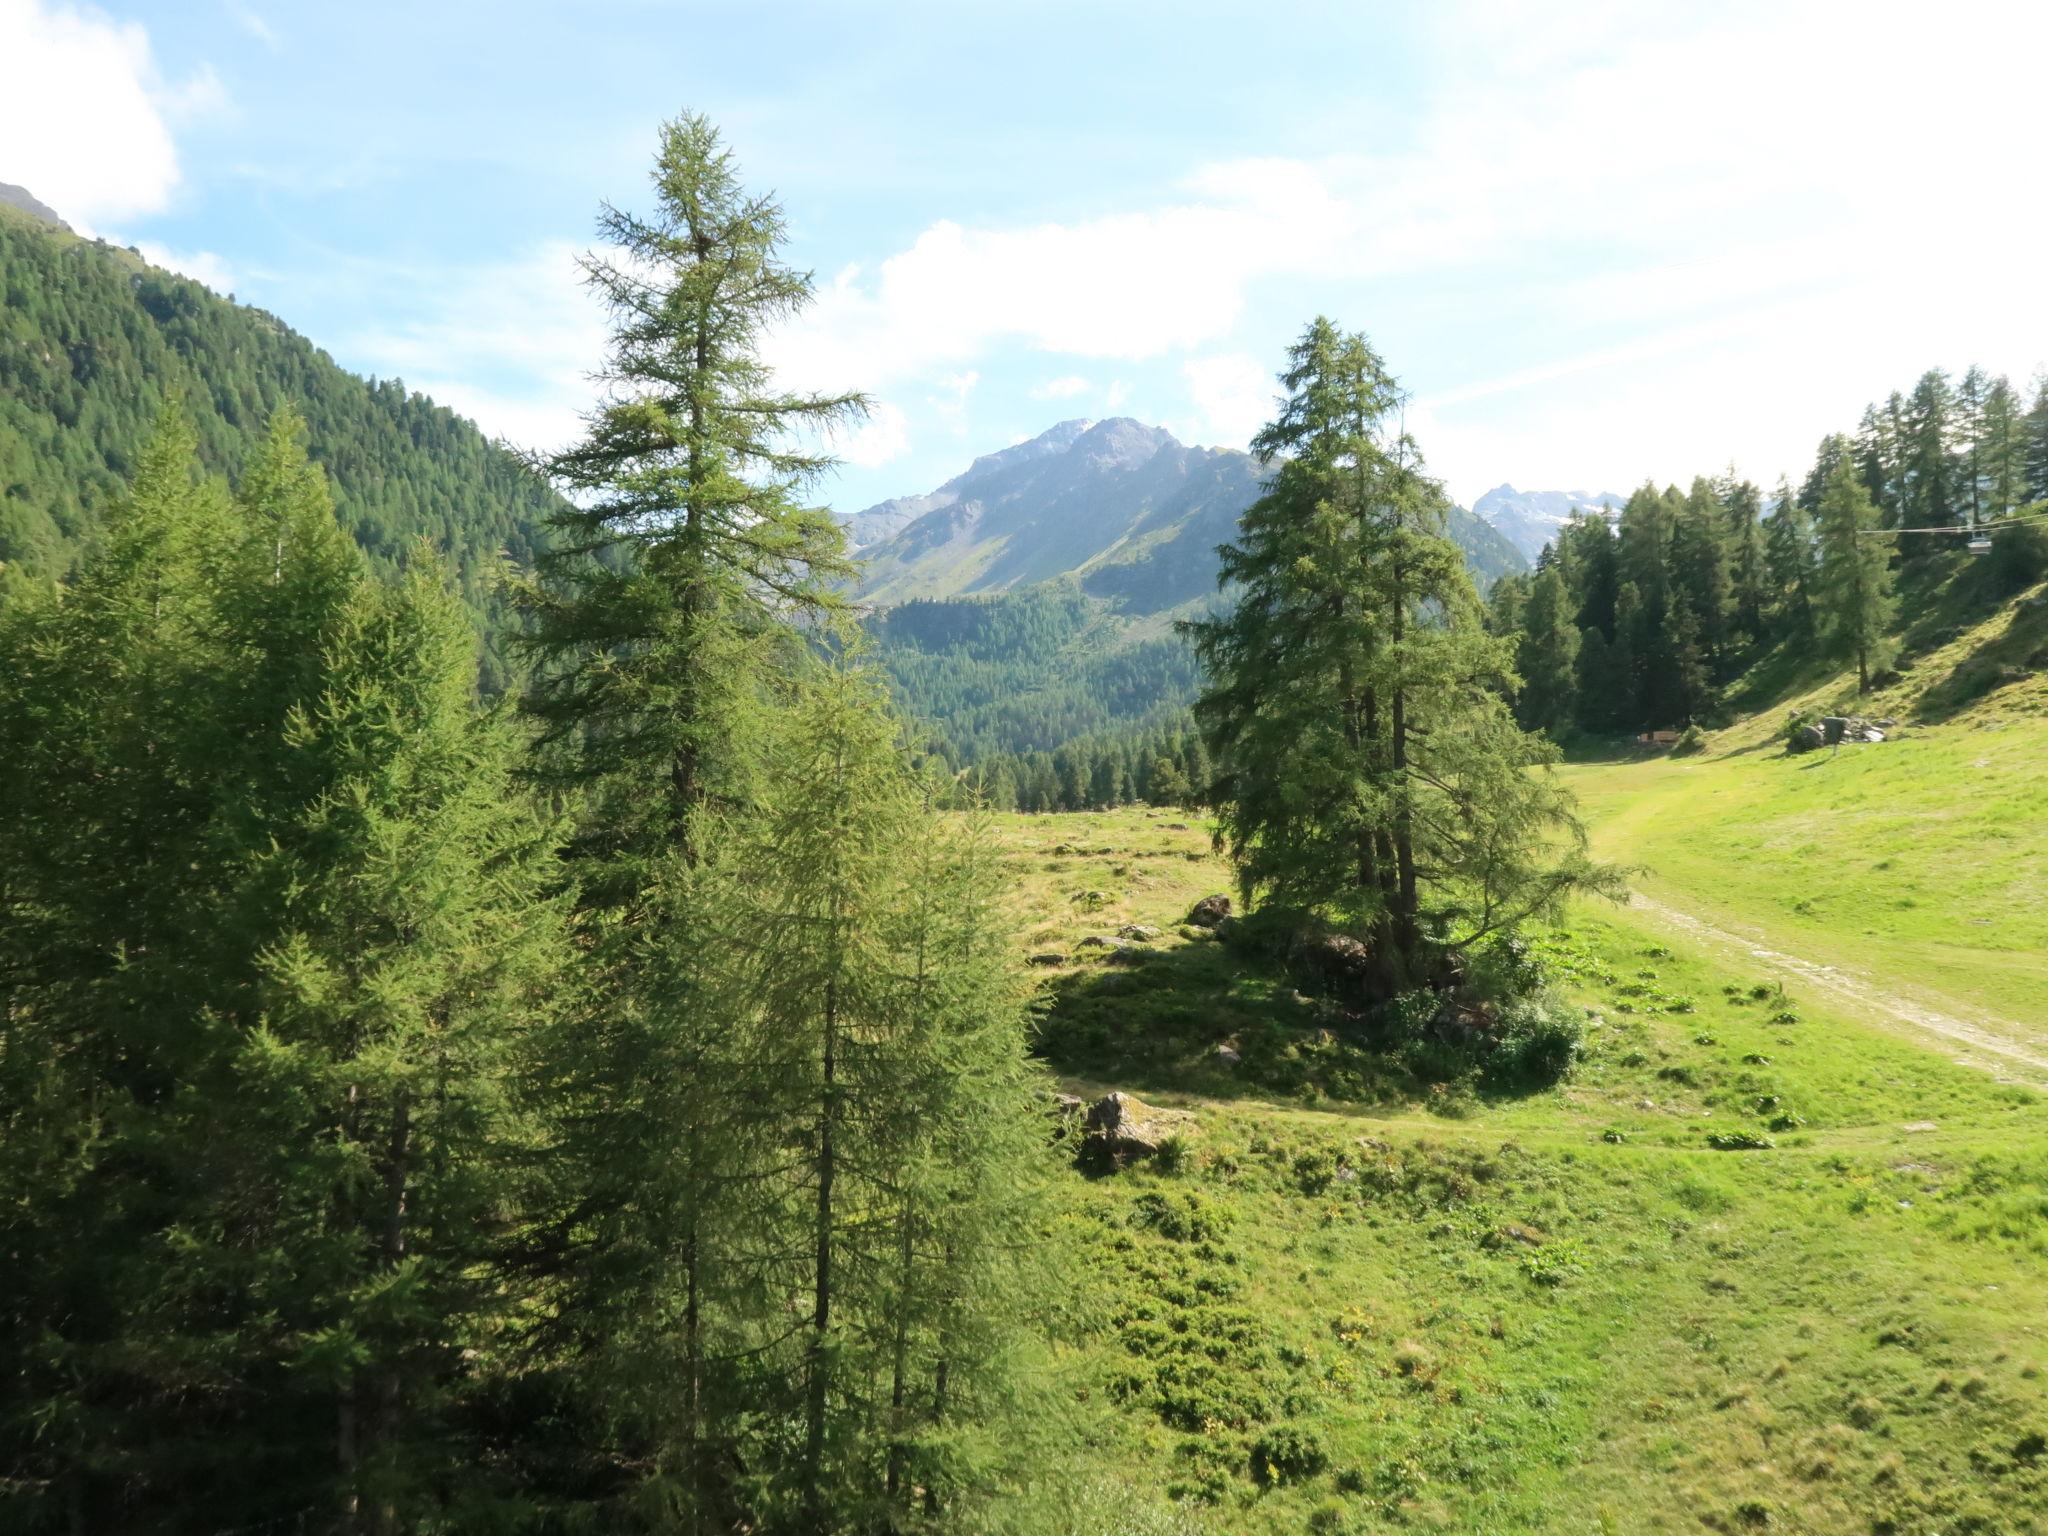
x=1990, y=525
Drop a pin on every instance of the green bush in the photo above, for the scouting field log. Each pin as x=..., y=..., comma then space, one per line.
x=1504, y=966
x=2019, y=552
x=1539, y=1039
x=1287, y=1453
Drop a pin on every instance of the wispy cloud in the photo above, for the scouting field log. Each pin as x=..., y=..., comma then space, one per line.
x=1063, y=388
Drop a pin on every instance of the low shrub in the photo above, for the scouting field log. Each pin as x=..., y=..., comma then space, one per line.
x=1504, y=967
x=2019, y=553
x=1538, y=1039
x=1287, y=1453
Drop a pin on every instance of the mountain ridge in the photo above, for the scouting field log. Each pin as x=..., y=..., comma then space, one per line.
x=1125, y=509
x=1530, y=519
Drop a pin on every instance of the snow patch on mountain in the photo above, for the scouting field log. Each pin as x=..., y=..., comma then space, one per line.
x=1530, y=519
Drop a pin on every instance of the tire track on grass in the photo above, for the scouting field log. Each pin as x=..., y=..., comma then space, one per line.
x=2019, y=1054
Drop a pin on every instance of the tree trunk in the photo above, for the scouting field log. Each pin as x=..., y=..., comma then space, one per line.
x=898, y=1386
x=390, y=1387
x=821, y=1285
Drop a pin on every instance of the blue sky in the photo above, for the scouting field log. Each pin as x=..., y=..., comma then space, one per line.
x=1598, y=241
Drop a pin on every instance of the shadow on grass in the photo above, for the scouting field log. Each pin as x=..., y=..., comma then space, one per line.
x=1161, y=1020
x=2019, y=653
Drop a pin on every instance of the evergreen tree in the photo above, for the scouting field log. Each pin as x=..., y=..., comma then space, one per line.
x=1931, y=496
x=1168, y=785
x=1854, y=600
x=1699, y=566
x=687, y=562
x=296, y=1047
x=2003, y=449
x=1742, y=506
x=1789, y=559
x=1548, y=656
x=1625, y=702
x=2035, y=435
x=1971, y=450
x=1369, y=772
x=862, y=954
x=1877, y=455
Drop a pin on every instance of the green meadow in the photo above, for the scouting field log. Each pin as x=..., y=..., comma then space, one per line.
x=1759, y=1263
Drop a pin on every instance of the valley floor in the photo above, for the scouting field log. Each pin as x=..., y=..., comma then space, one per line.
x=1764, y=1262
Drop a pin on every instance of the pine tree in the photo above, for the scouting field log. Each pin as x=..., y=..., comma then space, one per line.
x=1877, y=456
x=1369, y=772
x=299, y=1039
x=1699, y=565
x=687, y=563
x=1548, y=655
x=1625, y=704
x=1853, y=600
x=864, y=959
x=1971, y=450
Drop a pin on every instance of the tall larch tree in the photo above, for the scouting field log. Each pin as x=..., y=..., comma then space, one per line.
x=688, y=560
x=1548, y=656
x=2004, y=449
x=1854, y=600
x=1789, y=558
x=2034, y=432
x=1369, y=770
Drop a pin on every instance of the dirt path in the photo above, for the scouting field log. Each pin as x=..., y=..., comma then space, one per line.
x=2009, y=1051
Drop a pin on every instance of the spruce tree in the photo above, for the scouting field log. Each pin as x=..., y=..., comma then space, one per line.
x=1742, y=505
x=893, y=1256
x=1933, y=493
x=1854, y=601
x=1972, y=451
x=295, y=1047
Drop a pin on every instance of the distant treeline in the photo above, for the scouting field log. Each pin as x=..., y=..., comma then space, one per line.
x=1159, y=765
x=1642, y=623
x=1007, y=674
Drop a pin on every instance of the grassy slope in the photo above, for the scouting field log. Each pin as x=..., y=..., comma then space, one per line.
x=1921, y=864
x=1839, y=1333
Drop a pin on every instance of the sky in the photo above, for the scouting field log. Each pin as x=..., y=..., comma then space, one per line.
x=1599, y=241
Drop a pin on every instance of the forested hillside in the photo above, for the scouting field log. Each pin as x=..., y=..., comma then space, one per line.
x=94, y=342
x=1668, y=616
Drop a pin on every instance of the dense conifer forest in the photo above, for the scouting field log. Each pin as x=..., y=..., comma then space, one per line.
x=1645, y=622
x=94, y=343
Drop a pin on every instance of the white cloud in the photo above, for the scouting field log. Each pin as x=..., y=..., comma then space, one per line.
x=1234, y=393
x=1621, y=194
x=86, y=116
x=881, y=439
x=1117, y=393
x=204, y=266
x=1062, y=388
x=511, y=344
